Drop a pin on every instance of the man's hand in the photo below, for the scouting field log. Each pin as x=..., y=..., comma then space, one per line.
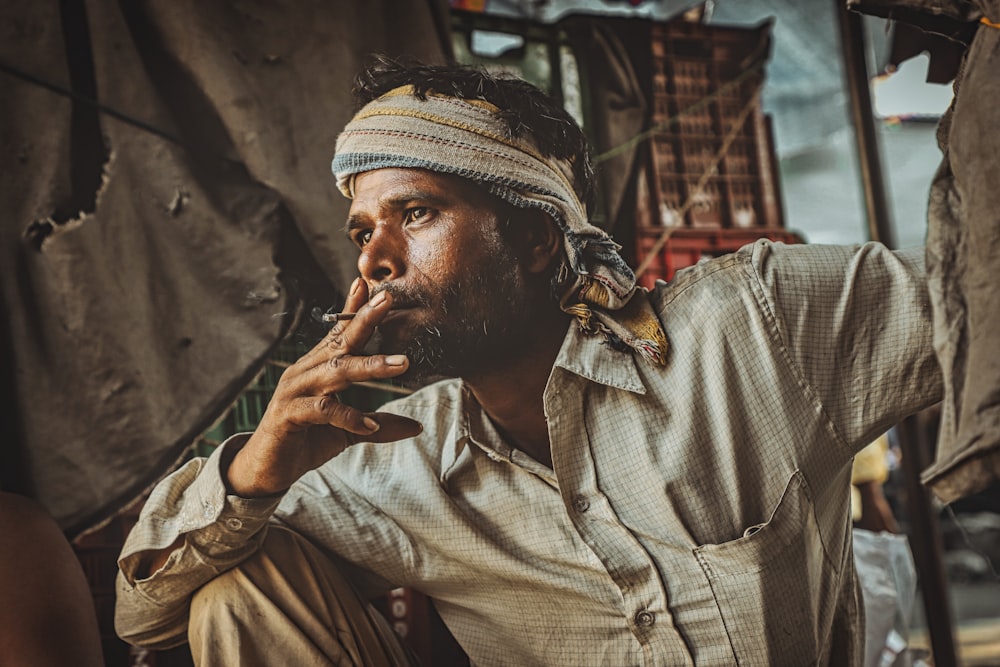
x=304, y=424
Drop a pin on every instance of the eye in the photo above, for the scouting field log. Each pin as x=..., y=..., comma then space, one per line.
x=416, y=213
x=362, y=237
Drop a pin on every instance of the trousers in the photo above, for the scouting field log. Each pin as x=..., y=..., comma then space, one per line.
x=289, y=604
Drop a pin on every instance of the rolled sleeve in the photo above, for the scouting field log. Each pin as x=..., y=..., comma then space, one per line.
x=217, y=531
x=856, y=324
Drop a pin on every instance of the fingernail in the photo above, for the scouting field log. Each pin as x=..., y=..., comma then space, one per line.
x=395, y=360
x=378, y=299
x=371, y=424
x=355, y=285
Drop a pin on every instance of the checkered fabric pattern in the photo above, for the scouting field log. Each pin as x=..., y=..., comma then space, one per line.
x=695, y=513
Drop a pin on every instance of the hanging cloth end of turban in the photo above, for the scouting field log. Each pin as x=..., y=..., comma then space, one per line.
x=632, y=328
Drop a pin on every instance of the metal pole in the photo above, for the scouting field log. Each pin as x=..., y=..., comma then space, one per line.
x=925, y=538
x=925, y=532
x=852, y=44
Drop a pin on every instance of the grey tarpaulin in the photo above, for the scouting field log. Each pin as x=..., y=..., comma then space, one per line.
x=140, y=266
x=963, y=250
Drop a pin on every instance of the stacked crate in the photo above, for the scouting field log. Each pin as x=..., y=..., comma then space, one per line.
x=710, y=184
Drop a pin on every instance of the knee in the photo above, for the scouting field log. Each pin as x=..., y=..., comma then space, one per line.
x=46, y=594
x=227, y=593
x=219, y=596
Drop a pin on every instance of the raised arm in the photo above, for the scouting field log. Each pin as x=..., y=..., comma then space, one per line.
x=211, y=514
x=855, y=322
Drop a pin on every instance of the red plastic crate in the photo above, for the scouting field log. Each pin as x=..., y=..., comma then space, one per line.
x=689, y=78
x=745, y=203
x=741, y=158
x=666, y=153
x=707, y=209
x=696, y=112
x=698, y=154
x=686, y=247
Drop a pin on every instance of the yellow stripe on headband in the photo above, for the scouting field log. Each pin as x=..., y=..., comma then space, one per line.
x=370, y=112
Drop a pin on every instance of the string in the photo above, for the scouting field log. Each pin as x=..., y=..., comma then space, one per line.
x=710, y=170
x=968, y=542
x=103, y=108
x=666, y=124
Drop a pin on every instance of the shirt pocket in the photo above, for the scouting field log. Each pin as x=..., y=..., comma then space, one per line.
x=775, y=586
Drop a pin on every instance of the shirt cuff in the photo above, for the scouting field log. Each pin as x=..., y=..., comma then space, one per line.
x=218, y=529
x=218, y=520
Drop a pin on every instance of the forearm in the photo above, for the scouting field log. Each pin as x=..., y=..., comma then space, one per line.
x=189, y=532
x=193, y=526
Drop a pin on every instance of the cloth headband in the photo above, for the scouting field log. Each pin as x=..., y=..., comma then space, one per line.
x=468, y=138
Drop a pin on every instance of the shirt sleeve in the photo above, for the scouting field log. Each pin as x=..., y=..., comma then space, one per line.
x=855, y=322
x=219, y=531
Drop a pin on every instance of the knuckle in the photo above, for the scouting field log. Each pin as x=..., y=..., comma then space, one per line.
x=328, y=405
x=336, y=339
x=336, y=363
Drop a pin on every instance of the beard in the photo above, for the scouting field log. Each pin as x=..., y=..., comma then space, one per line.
x=478, y=323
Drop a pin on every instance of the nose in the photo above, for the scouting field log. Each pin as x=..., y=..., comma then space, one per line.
x=383, y=257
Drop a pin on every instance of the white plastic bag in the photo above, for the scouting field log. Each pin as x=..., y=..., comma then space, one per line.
x=889, y=586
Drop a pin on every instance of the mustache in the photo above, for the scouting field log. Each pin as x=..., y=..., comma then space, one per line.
x=404, y=297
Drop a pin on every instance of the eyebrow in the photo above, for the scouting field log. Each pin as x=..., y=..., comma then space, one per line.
x=357, y=221
x=353, y=222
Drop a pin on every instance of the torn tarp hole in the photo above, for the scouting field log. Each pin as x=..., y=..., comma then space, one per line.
x=89, y=153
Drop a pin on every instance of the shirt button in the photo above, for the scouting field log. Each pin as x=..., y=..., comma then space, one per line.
x=581, y=504
x=234, y=524
x=645, y=619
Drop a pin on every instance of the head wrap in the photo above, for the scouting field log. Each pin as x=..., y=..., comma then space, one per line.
x=469, y=138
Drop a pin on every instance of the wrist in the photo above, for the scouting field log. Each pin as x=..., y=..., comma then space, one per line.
x=238, y=477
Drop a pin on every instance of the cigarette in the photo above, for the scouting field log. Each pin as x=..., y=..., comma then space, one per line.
x=333, y=318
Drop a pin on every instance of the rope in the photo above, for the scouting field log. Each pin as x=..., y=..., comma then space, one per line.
x=711, y=170
x=757, y=66
x=103, y=108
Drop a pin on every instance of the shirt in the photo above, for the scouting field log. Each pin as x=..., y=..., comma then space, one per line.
x=695, y=513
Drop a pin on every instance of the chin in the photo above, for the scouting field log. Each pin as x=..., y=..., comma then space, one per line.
x=394, y=339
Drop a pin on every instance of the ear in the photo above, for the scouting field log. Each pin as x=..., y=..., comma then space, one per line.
x=540, y=242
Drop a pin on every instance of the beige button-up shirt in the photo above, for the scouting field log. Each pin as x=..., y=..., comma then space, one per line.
x=696, y=513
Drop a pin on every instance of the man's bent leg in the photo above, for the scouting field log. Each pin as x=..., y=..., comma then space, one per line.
x=289, y=605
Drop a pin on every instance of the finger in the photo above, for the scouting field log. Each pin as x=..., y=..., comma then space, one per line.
x=357, y=295
x=370, y=426
x=350, y=337
x=336, y=373
x=393, y=427
x=328, y=410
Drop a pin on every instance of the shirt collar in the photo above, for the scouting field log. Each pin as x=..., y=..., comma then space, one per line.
x=590, y=357
x=587, y=356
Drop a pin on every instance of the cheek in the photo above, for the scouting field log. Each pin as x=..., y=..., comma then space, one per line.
x=439, y=257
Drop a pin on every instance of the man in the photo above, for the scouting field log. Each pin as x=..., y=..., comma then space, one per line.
x=617, y=478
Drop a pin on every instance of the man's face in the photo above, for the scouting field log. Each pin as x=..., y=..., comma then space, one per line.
x=433, y=240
